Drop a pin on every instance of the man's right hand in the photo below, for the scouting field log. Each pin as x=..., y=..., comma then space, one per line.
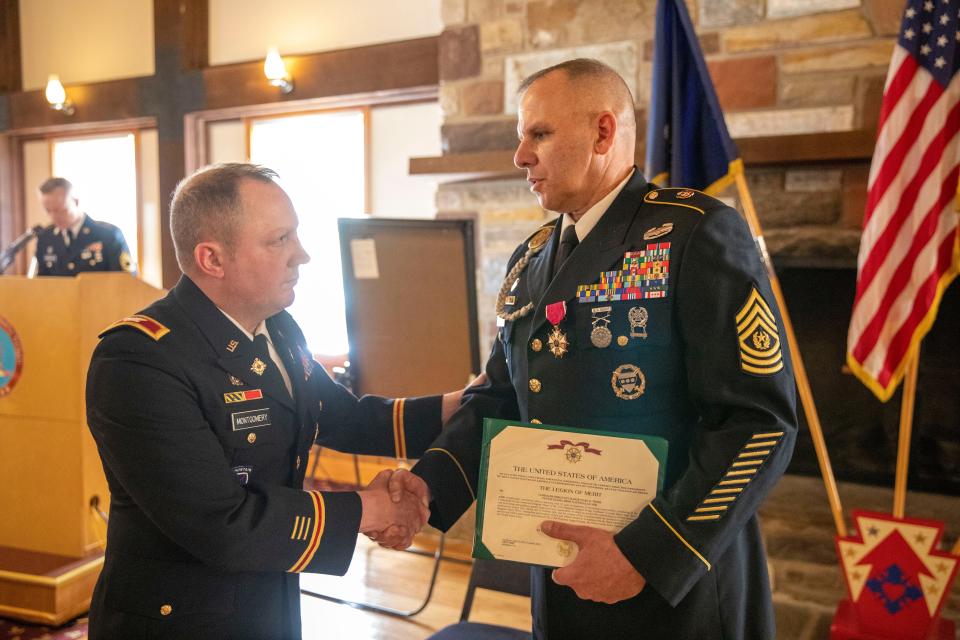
x=391, y=520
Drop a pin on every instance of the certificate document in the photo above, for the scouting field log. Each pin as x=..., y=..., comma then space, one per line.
x=535, y=472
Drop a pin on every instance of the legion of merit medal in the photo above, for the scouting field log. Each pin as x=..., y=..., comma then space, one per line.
x=600, y=336
x=557, y=340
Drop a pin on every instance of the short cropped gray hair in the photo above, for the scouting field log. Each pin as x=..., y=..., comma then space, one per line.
x=206, y=206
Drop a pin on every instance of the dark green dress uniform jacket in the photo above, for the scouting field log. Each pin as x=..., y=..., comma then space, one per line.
x=205, y=453
x=714, y=382
x=99, y=246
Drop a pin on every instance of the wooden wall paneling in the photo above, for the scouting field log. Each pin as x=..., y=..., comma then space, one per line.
x=11, y=74
x=380, y=67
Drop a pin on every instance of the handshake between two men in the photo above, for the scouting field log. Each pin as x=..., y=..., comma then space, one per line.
x=395, y=508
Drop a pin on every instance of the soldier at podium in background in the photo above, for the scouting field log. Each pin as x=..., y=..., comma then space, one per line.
x=75, y=242
x=204, y=407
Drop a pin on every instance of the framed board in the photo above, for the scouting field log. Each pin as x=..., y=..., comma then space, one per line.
x=411, y=304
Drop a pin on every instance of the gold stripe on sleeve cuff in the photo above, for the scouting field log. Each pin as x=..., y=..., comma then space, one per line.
x=462, y=472
x=680, y=537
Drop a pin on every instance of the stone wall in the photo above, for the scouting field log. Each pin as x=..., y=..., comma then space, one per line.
x=779, y=66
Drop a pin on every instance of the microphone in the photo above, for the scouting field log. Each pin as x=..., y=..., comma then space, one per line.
x=8, y=254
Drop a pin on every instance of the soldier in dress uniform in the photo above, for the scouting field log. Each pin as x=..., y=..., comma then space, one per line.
x=204, y=407
x=639, y=310
x=75, y=242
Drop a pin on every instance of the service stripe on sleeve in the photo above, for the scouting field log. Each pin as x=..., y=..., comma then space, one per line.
x=316, y=533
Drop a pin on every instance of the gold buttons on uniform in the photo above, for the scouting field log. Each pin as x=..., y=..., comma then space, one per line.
x=166, y=610
x=252, y=438
x=536, y=345
x=70, y=266
x=622, y=340
x=535, y=385
x=535, y=421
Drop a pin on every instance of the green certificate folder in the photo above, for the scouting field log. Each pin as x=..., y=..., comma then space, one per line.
x=535, y=472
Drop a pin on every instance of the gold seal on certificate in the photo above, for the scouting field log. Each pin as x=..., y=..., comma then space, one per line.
x=534, y=472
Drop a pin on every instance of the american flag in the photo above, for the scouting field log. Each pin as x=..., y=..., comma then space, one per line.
x=910, y=248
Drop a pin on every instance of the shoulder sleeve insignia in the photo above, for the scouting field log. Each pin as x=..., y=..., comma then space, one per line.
x=126, y=263
x=144, y=323
x=540, y=237
x=758, y=337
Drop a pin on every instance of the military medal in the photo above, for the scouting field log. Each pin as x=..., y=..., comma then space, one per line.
x=557, y=340
x=638, y=317
x=600, y=336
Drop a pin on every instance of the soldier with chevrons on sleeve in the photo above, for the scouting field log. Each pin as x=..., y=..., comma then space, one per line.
x=639, y=310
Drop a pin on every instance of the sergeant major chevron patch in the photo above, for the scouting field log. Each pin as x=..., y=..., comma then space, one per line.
x=758, y=337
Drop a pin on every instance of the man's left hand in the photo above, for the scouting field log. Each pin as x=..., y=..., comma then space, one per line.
x=600, y=572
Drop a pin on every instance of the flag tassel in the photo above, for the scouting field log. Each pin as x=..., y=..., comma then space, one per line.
x=800, y=372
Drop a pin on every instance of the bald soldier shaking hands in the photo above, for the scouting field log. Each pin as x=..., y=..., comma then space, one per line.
x=662, y=322
x=204, y=407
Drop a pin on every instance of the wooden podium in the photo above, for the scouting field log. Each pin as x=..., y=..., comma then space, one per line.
x=51, y=536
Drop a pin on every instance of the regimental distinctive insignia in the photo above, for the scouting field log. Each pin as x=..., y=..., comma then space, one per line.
x=897, y=578
x=638, y=317
x=738, y=475
x=540, y=238
x=235, y=381
x=144, y=323
x=759, y=339
x=557, y=343
x=658, y=232
x=11, y=357
x=600, y=335
x=242, y=396
x=258, y=366
x=232, y=346
x=628, y=382
x=683, y=195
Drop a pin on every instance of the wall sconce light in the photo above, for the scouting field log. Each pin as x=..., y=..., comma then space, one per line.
x=276, y=71
x=57, y=96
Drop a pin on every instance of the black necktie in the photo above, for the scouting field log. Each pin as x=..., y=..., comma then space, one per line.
x=568, y=242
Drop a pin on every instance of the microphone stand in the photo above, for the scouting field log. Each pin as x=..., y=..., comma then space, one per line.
x=8, y=254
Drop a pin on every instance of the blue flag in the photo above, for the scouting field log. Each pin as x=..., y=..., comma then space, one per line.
x=687, y=140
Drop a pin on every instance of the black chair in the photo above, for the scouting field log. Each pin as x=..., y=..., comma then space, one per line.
x=496, y=575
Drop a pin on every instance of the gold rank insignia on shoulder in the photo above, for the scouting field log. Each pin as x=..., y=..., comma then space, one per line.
x=146, y=324
x=658, y=232
x=758, y=337
x=683, y=195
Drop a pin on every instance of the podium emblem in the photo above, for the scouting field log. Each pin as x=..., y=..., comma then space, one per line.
x=11, y=357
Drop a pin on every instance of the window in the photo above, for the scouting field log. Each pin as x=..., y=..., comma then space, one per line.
x=103, y=170
x=321, y=159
